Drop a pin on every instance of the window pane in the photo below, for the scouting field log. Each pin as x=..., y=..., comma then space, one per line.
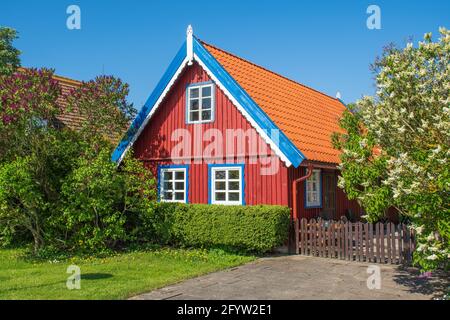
x=206, y=103
x=233, y=174
x=206, y=91
x=179, y=175
x=220, y=174
x=206, y=115
x=179, y=185
x=220, y=196
x=179, y=195
x=167, y=175
x=194, y=116
x=194, y=92
x=233, y=185
x=167, y=185
x=233, y=196
x=194, y=105
x=220, y=185
x=167, y=195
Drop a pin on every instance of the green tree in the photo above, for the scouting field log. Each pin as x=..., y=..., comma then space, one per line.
x=9, y=55
x=102, y=105
x=59, y=185
x=30, y=186
x=395, y=148
x=99, y=200
x=28, y=109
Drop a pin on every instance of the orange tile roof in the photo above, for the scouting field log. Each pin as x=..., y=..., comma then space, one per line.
x=306, y=116
x=71, y=119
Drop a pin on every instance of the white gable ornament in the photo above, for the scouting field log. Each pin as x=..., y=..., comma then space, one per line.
x=189, y=45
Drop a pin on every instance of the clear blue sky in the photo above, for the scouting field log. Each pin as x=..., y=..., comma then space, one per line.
x=323, y=44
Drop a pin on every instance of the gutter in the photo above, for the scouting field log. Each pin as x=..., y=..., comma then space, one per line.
x=293, y=245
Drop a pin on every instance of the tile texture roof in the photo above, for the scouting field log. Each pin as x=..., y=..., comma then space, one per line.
x=71, y=119
x=306, y=116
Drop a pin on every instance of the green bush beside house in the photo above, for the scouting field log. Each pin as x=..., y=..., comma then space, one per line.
x=255, y=229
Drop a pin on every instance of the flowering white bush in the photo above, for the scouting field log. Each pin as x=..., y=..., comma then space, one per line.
x=396, y=147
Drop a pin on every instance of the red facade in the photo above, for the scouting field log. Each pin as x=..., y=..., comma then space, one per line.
x=154, y=146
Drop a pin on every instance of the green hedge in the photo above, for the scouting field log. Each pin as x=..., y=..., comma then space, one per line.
x=249, y=228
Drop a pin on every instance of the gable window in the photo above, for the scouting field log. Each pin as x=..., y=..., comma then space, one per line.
x=173, y=184
x=226, y=184
x=200, y=103
x=313, y=190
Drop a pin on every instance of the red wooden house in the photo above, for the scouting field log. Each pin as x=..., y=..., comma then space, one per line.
x=219, y=129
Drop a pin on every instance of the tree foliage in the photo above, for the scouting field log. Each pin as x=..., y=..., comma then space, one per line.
x=395, y=149
x=99, y=199
x=102, y=105
x=9, y=55
x=57, y=185
x=28, y=108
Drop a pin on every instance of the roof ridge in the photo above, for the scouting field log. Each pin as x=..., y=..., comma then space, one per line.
x=56, y=77
x=67, y=80
x=270, y=71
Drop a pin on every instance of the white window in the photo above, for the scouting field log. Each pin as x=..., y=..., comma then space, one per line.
x=313, y=190
x=227, y=185
x=173, y=185
x=200, y=103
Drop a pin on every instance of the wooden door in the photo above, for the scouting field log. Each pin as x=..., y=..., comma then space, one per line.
x=329, y=195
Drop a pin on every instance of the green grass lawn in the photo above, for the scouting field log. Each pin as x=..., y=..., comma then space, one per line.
x=115, y=277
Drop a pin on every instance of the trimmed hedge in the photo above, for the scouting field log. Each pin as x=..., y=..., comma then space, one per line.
x=248, y=228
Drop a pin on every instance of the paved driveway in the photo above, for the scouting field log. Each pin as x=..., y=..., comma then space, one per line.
x=301, y=277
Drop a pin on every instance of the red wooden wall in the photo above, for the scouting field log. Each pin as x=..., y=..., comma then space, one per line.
x=154, y=145
x=342, y=202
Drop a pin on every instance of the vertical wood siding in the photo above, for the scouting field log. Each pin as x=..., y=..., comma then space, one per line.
x=342, y=202
x=154, y=145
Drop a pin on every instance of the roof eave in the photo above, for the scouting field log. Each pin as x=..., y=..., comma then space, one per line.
x=278, y=141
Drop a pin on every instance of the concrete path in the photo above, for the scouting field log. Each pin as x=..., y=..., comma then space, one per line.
x=302, y=277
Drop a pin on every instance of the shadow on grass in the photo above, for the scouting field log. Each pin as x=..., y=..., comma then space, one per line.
x=96, y=276
x=86, y=276
x=436, y=285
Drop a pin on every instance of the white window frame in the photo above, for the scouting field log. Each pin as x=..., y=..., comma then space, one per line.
x=316, y=178
x=173, y=180
x=213, y=181
x=200, y=87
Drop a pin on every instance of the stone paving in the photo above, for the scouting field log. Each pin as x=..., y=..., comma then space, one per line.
x=302, y=277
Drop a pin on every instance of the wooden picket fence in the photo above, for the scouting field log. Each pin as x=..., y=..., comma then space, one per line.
x=365, y=242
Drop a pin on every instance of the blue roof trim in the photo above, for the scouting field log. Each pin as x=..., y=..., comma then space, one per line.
x=145, y=110
x=294, y=155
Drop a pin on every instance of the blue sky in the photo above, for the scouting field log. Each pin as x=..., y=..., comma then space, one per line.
x=322, y=44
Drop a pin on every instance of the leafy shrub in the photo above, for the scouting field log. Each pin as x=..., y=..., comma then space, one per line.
x=99, y=198
x=30, y=187
x=249, y=228
x=156, y=223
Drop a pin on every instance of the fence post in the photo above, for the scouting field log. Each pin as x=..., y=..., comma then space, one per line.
x=293, y=237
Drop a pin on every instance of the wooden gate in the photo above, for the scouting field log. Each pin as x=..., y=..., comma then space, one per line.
x=366, y=242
